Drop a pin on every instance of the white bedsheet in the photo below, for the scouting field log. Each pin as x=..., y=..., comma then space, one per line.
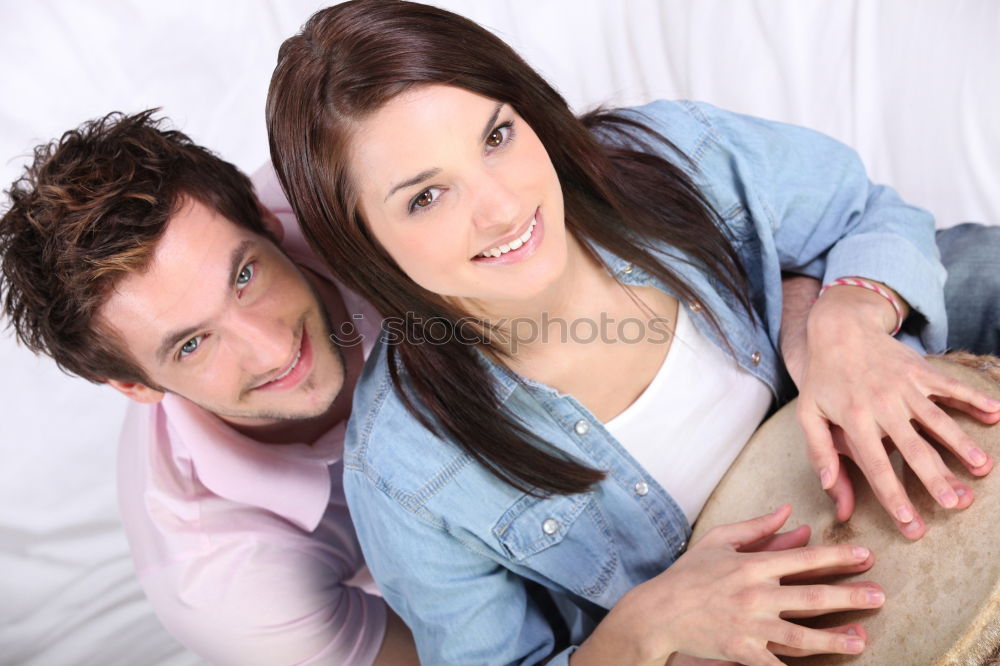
x=913, y=85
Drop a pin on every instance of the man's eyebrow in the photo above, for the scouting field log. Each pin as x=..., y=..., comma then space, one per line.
x=174, y=338
x=430, y=173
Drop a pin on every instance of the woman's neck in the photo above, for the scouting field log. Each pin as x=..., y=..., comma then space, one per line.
x=583, y=291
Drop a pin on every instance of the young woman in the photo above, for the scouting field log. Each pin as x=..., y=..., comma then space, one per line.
x=583, y=320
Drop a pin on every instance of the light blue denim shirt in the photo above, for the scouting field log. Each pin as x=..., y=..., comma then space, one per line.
x=484, y=574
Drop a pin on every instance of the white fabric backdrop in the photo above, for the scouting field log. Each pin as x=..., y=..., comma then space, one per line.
x=913, y=85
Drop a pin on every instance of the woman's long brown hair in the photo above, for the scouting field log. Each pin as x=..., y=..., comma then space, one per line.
x=351, y=59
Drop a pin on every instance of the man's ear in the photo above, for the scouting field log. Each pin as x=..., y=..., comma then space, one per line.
x=136, y=391
x=272, y=223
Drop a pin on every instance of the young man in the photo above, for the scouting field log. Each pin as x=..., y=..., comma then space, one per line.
x=136, y=258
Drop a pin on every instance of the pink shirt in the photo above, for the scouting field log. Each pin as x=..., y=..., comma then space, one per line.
x=246, y=550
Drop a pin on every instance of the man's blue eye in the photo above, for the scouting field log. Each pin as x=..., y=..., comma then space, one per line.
x=190, y=346
x=245, y=276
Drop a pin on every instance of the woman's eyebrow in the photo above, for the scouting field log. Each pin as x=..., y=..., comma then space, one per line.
x=430, y=173
x=491, y=121
x=422, y=176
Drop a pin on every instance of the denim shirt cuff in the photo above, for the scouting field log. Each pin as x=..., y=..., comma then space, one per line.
x=893, y=261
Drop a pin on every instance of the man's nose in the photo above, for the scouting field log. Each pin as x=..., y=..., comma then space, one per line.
x=264, y=342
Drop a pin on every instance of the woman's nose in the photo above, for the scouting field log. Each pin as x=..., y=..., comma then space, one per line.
x=497, y=205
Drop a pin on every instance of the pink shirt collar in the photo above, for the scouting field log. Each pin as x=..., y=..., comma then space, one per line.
x=290, y=480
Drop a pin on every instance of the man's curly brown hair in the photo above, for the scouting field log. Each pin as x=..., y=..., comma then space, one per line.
x=89, y=210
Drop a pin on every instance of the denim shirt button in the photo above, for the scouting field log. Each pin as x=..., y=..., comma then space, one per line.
x=550, y=526
x=682, y=546
x=755, y=358
x=581, y=427
x=695, y=306
x=640, y=488
x=627, y=268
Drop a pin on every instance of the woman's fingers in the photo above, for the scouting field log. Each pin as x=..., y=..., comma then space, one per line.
x=925, y=462
x=826, y=573
x=813, y=641
x=819, y=444
x=848, y=630
x=930, y=468
x=779, y=564
x=738, y=535
x=988, y=418
x=791, y=539
x=842, y=494
x=945, y=431
x=812, y=600
x=948, y=387
x=869, y=454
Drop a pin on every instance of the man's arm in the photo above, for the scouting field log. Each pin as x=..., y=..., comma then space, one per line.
x=797, y=293
x=397, y=646
x=269, y=602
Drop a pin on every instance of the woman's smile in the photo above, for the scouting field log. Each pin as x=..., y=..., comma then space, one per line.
x=517, y=247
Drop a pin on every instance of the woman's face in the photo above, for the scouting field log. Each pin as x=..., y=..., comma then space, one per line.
x=462, y=194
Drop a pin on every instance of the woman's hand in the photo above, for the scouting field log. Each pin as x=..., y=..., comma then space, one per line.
x=717, y=602
x=855, y=376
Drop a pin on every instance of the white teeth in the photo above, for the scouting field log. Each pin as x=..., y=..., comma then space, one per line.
x=290, y=368
x=512, y=245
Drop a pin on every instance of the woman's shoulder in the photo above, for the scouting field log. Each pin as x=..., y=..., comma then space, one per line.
x=386, y=443
x=687, y=125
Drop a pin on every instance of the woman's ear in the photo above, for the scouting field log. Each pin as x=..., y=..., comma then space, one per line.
x=136, y=391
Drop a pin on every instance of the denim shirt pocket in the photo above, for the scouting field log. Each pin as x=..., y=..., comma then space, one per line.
x=744, y=236
x=564, y=538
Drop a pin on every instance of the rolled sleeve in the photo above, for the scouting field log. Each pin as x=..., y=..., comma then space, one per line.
x=816, y=209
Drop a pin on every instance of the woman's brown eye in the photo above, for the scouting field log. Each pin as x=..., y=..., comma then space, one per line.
x=494, y=139
x=424, y=199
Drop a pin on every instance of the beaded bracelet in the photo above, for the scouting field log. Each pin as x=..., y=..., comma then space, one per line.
x=857, y=282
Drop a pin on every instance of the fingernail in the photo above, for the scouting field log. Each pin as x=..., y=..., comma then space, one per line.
x=855, y=645
x=825, y=478
x=875, y=597
x=960, y=492
x=977, y=456
x=912, y=527
x=948, y=499
x=852, y=631
x=861, y=553
x=904, y=514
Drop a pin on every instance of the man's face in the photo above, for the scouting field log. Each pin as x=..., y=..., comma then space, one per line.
x=223, y=318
